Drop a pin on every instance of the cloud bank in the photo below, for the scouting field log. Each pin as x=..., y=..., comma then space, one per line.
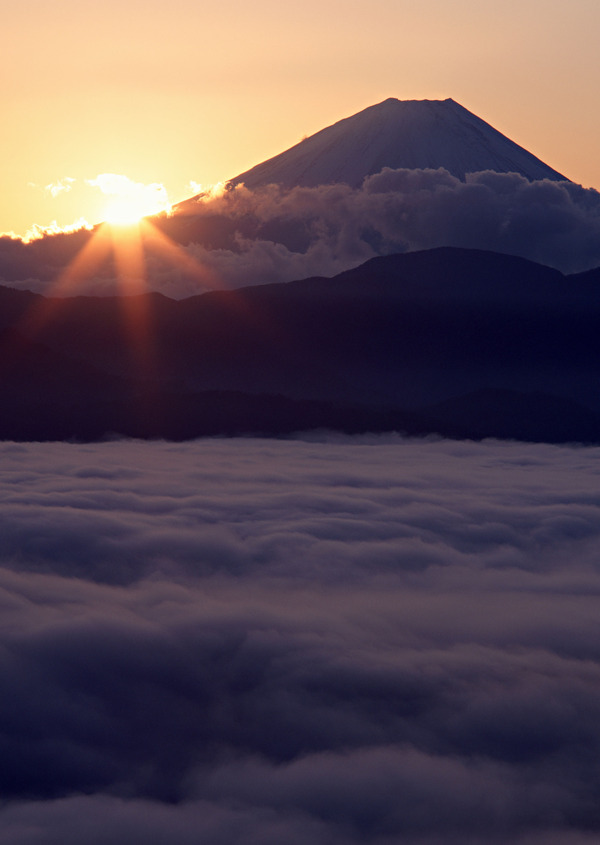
x=276, y=235
x=327, y=640
x=553, y=223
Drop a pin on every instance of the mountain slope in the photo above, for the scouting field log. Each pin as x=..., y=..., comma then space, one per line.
x=411, y=134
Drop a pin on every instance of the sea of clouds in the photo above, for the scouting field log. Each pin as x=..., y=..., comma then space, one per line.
x=325, y=640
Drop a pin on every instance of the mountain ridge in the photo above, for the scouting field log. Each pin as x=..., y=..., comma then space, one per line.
x=420, y=342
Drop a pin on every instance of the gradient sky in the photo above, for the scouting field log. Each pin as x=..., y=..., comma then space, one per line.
x=181, y=92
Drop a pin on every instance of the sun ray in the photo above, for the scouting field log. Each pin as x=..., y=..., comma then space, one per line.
x=176, y=256
x=159, y=243
x=89, y=258
x=247, y=309
x=129, y=246
x=128, y=250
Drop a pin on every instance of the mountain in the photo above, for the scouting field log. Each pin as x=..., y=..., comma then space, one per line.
x=410, y=134
x=453, y=341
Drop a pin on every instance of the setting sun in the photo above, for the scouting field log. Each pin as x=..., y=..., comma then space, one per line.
x=123, y=212
x=129, y=201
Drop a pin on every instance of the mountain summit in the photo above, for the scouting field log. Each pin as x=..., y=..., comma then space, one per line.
x=410, y=134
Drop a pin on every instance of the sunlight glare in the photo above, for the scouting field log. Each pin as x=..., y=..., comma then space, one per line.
x=130, y=201
x=124, y=212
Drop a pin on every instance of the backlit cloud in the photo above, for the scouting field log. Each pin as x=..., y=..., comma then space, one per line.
x=36, y=232
x=61, y=186
x=327, y=640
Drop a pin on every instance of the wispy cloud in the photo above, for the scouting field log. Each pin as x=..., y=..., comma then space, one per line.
x=61, y=186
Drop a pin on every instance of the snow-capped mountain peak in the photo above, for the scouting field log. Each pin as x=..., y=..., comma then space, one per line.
x=398, y=134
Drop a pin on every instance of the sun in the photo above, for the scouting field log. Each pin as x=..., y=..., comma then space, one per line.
x=125, y=211
x=128, y=201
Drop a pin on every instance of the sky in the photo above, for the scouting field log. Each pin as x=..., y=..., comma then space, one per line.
x=325, y=640
x=181, y=94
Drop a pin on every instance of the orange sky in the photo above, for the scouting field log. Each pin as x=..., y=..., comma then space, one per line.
x=181, y=91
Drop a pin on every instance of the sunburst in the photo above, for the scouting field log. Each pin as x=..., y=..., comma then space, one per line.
x=129, y=245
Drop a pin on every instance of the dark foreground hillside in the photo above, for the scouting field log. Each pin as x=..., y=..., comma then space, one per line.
x=457, y=342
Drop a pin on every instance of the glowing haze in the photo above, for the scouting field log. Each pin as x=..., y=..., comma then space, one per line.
x=172, y=96
x=129, y=200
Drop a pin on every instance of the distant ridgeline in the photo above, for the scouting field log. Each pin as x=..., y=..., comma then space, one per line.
x=461, y=343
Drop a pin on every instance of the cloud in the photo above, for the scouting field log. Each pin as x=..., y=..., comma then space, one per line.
x=326, y=640
x=38, y=232
x=272, y=235
x=60, y=186
x=208, y=192
x=554, y=223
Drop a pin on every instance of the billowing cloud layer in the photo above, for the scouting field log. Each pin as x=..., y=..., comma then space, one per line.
x=285, y=235
x=321, y=641
x=554, y=223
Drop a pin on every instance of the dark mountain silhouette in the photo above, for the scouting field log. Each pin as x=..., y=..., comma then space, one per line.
x=459, y=342
x=503, y=413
